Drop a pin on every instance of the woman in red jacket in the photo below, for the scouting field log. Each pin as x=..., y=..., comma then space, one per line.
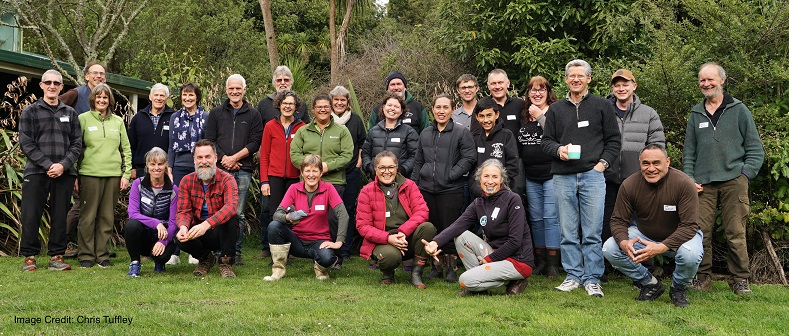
x=392, y=216
x=277, y=173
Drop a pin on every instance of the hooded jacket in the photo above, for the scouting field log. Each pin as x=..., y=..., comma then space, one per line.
x=443, y=157
x=639, y=127
x=500, y=145
x=400, y=140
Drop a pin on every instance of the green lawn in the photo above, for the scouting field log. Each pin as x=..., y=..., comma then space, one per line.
x=353, y=302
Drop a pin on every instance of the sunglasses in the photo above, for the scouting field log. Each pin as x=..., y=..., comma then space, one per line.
x=49, y=82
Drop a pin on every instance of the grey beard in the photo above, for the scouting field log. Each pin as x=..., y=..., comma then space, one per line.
x=205, y=174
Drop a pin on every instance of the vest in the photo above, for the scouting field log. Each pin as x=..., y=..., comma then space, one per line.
x=82, y=105
x=159, y=208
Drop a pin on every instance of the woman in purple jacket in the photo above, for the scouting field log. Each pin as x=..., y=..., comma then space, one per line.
x=153, y=200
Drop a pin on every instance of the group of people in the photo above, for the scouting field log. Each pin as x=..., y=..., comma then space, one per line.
x=593, y=172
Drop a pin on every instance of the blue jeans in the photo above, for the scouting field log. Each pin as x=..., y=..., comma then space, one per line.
x=243, y=179
x=580, y=199
x=542, y=213
x=687, y=257
x=279, y=234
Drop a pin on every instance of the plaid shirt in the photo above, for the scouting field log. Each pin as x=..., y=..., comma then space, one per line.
x=221, y=197
x=49, y=135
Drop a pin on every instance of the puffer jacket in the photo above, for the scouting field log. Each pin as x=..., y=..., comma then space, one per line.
x=443, y=157
x=639, y=127
x=401, y=140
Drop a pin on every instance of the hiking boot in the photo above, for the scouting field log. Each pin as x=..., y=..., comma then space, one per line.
x=568, y=285
x=174, y=260
x=594, y=289
x=651, y=292
x=452, y=268
x=29, y=264
x=741, y=287
x=416, y=272
x=159, y=267
x=203, y=266
x=134, y=269
x=239, y=261
x=56, y=263
x=226, y=267
x=388, y=277
x=71, y=251
x=678, y=296
x=105, y=263
x=516, y=287
x=701, y=283
x=86, y=263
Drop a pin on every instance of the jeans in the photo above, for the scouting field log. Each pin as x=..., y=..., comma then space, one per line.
x=542, y=213
x=242, y=180
x=279, y=234
x=580, y=199
x=687, y=257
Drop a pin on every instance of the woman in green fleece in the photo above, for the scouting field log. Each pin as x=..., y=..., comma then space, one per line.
x=104, y=169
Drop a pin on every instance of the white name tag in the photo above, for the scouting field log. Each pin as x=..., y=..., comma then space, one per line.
x=293, y=135
x=64, y=119
x=146, y=200
x=407, y=121
x=93, y=128
x=495, y=213
x=511, y=117
x=480, y=150
x=320, y=207
x=166, y=127
x=583, y=123
x=395, y=139
x=669, y=208
x=704, y=125
x=388, y=214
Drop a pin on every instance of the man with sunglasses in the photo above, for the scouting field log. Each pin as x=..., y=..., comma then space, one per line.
x=51, y=139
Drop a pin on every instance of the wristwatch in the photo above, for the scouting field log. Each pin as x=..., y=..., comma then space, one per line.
x=604, y=162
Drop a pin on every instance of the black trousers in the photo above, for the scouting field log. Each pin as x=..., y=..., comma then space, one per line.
x=444, y=210
x=353, y=179
x=269, y=204
x=222, y=237
x=140, y=240
x=38, y=190
x=334, y=223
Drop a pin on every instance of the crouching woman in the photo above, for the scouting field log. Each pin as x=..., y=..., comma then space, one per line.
x=301, y=222
x=503, y=256
x=392, y=217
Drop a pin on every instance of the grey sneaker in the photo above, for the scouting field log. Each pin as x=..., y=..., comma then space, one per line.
x=568, y=285
x=56, y=263
x=29, y=264
x=741, y=287
x=594, y=289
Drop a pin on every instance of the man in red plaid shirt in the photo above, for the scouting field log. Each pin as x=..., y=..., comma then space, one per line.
x=206, y=218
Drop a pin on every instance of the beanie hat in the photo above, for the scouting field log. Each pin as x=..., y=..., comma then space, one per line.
x=394, y=75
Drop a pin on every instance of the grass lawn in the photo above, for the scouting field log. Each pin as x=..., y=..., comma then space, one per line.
x=353, y=302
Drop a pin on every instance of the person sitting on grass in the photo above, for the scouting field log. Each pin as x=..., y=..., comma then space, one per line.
x=153, y=200
x=301, y=222
x=206, y=216
x=392, y=217
x=505, y=256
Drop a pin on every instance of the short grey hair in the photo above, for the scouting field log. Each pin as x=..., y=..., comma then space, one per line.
x=236, y=77
x=580, y=63
x=505, y=180
x=160, y=86
x=721, y=72
x=498, y=71
x=157, y=154
x=279, y=71
x=52, y=72
x=339, y=90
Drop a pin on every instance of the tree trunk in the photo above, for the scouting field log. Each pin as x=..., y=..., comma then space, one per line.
x=271, y=38
x=768, y=244
x=346, y=21
x=335, y=58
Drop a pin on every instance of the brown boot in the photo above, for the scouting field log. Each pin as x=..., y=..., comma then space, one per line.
x=226, y=267
x=321, y=273
x=279, y=257
x=516, y=287
x=204, y=265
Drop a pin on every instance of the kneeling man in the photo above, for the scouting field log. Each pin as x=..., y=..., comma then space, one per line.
x=206, y=218
x=663, y=204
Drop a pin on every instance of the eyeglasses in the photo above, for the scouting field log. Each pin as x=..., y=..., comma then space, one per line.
x=288, y=104
x=97, y=73
x=543, y=90
x=469, y=87
x=49, y=82
x=385, y=168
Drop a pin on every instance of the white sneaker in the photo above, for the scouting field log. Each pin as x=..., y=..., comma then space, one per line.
x=594, y=289
x=568, y=285
x=192, y=260
x=174, y=260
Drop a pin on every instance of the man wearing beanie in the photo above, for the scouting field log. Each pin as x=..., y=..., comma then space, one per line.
x=415, y=116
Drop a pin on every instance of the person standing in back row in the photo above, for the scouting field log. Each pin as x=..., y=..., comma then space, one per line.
x=416, y=114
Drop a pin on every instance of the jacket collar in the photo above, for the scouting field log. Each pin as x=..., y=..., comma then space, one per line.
x=145, y=181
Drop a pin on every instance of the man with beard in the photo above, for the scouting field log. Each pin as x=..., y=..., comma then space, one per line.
x=723, y=152
x=416, y=116
x=206, y=217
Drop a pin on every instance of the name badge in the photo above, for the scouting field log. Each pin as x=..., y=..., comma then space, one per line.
x=93, y=128
x=583, y=123
x=704, y=125
x=293, y=135
x=495, y=213
x=388, y=214
x=407, y=121
x=395, y=139
x=511, y=117
x=64, y=119
x=669, y=208
x=480, y=150
x=320, y=207
x=146, y=200
x=166, y=127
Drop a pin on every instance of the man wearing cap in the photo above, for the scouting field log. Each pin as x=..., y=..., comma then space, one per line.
x=639, y=125
x=416, y=116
